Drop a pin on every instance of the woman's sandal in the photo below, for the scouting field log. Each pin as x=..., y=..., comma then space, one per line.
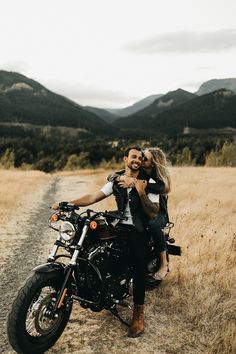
x=158, y=276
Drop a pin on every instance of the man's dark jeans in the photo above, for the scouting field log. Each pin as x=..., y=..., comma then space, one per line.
x=138, y=243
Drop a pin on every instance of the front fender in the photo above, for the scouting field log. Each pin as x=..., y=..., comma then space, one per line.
x=49, y=268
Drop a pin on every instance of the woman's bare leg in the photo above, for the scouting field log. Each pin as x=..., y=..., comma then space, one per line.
x=164, y=267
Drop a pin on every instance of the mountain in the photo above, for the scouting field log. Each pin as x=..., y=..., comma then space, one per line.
x=214, y=110
x=217, y=84
x=161, y=104
x=102, y=113
x=123, y=112
x=23, y=100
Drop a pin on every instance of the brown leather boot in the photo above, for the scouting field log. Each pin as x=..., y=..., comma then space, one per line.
x=137, y=326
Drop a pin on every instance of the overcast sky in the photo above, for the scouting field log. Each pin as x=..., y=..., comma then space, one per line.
x=108, y=53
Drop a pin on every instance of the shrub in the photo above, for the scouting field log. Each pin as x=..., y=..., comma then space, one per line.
x=77, y=161
x=226, y=156
x=7, y=160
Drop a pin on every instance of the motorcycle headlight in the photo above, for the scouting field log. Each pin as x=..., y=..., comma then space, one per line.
x=67, y=231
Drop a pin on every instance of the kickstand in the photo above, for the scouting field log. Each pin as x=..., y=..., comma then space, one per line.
x=115, y=312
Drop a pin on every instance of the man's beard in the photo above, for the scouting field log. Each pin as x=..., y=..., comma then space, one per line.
x=132, y=168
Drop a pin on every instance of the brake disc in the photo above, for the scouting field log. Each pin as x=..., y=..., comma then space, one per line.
x=43, y=324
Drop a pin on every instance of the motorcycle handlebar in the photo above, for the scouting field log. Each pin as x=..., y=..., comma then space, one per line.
x=106, y=214
x=65, y=206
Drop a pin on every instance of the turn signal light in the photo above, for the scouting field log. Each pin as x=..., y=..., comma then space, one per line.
x=54, y=217
x=93, y=225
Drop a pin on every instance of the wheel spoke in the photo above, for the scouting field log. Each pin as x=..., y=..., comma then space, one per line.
x=37, y=322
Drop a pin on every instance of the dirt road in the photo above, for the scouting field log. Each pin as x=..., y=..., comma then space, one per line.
x=25, y=252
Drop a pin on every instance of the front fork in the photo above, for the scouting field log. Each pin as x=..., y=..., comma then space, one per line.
x=62, y=294
x=64, y=288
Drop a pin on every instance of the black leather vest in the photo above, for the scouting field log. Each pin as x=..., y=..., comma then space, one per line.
x=122, y=197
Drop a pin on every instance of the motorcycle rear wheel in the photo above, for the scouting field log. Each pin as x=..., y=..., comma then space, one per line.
x=29, y=328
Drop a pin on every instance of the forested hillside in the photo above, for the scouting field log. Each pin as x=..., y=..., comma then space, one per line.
x=23, y=100
x=42, y=130
x=214, y=110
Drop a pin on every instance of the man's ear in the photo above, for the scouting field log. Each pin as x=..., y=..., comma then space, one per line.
x=124, y=158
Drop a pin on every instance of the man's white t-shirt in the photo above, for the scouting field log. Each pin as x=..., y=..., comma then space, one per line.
x=107, y=189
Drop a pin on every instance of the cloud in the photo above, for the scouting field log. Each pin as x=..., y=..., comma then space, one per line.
x=186, y=42
x=19, y=66
x=192, y=85
x=88, y=95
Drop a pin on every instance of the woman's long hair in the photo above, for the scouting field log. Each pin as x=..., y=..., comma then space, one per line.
x=161, y=167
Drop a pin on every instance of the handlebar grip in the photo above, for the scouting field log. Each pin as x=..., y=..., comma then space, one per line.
x=66, y=206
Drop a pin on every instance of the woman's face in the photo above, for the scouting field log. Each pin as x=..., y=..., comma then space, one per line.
x=147, y=160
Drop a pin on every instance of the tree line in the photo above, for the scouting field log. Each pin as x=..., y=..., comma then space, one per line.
x=54, y=149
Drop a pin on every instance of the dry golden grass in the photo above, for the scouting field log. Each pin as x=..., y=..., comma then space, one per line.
x=16, y=186
x=19, y=192
x=203, y=207
x=194, y=309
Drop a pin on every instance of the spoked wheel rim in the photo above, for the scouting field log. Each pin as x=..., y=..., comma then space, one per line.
x=38, y=322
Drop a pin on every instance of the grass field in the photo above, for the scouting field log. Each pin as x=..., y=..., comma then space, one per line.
x=16, y=187
x=203, y=207
x=200, y=291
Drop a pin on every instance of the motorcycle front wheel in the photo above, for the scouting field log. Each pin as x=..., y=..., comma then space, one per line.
x=30, y=328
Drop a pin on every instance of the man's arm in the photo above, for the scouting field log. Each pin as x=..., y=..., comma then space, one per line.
x=89, y=199
x=150, y=208
x=85, y=200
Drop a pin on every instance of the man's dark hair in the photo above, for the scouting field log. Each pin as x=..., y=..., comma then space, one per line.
x=127, y=150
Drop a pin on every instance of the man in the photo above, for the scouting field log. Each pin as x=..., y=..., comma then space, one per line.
x=138, y=207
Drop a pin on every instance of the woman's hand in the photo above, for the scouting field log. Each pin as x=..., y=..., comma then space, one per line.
x=126, y=182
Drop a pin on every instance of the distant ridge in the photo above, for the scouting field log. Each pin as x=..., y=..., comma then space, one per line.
x=161, y=104
x=214, y=110
x=217, y=84
x=137, y=106
x=102, y=113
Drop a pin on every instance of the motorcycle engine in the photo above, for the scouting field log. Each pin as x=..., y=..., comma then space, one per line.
x=112, y=262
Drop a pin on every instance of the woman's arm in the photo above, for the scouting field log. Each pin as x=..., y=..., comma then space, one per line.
x=123, y=181
x=157, y=188
x=112, y=177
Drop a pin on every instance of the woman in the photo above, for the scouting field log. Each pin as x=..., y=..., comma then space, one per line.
x=156, y=166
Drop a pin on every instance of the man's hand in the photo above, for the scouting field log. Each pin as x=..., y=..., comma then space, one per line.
x=140, y=185
x=126, y=182
x=55, y=206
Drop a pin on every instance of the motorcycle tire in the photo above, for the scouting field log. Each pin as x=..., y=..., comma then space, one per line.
x=29, y=329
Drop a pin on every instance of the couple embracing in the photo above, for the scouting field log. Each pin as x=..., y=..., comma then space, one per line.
x=141, y=192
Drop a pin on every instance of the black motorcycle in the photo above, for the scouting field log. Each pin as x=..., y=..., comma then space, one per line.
x=98, y=274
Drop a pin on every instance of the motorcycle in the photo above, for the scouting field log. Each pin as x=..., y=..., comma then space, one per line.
x=98, y=274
